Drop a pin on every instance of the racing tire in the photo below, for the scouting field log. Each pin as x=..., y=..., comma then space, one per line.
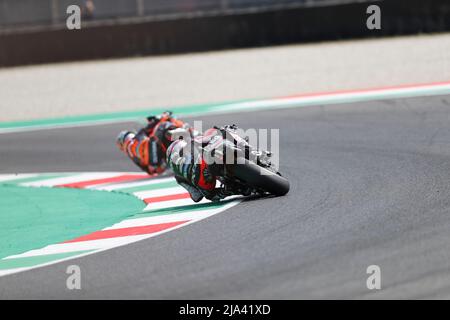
x=261, y=178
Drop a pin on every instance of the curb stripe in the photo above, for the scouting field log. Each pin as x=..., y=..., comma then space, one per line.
x=89, y=183
x=184, y=208
x=92, y=245
x=168, y=209
x=36, y=178
x=129, y=186
x=165, y=218
x=13, y=178
x=171, y=203
x=159, y=192
x=149, y=187
x=421, y=86
x=96, y=119
x=167, y=198
x=336, y=98
x=105, y=244
x=294, y=101
x=75, y=177
x=132, y=231
x=36, y=260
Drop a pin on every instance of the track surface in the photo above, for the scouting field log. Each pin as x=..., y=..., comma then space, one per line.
x=370, y=185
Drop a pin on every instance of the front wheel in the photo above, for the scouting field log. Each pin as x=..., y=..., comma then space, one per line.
x=261, y=178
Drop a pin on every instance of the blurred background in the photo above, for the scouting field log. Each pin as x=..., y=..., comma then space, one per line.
x=34, y=31
x=141, y=54
x=16, y=13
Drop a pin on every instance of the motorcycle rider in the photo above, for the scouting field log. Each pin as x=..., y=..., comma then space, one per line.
x=152, y=149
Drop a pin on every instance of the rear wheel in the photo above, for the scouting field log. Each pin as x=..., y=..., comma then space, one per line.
x=261, y=178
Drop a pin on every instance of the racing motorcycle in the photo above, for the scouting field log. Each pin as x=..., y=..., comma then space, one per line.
x=241, y=168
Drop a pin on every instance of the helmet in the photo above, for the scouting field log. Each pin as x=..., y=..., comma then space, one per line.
x=122, y=136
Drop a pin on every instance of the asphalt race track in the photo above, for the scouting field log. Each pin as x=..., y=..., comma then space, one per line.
x=370, y=184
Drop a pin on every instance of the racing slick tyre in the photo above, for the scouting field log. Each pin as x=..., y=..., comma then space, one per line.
x=261, y=178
